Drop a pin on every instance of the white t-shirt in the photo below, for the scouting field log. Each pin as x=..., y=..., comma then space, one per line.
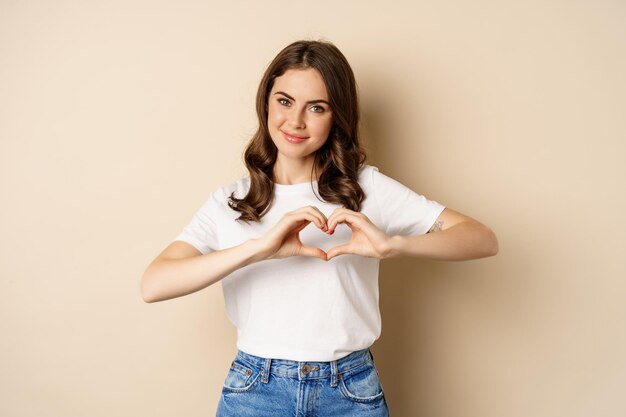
x=303, y=308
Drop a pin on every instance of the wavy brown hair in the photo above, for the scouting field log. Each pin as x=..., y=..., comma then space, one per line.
x=338, y=160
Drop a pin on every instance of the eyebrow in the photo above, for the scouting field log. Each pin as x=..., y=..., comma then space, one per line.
x=308, y=102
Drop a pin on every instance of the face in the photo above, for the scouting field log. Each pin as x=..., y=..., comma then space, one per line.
x=299, y=115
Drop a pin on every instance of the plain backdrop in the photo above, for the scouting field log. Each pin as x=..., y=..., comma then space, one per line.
x=118, y=118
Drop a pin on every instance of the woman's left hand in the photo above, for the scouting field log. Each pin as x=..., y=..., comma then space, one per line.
x=367, y=239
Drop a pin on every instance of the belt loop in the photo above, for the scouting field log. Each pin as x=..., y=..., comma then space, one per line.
x=333, y=374
x=265, y=372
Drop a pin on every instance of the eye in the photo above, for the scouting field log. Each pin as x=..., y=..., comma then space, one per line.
x=318, y=109
x=283, y=101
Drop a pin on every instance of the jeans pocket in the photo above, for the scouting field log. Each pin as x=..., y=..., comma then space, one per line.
x=361, y=384
x=241, y=377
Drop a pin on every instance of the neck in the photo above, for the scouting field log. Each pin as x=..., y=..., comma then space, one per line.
x=292, y=171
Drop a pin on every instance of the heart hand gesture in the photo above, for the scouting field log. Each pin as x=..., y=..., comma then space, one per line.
x=283, y=240
x=367, y=239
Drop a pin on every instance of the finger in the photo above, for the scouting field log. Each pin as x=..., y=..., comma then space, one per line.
x=316, y=212
x=311, y=216
x=342, y=210
x=338, y=250
x=288, y=224
x=323, y=216
x=304, y=224
x=333, y=216
x=312, y=251
x=337, y=211
x=343, y=217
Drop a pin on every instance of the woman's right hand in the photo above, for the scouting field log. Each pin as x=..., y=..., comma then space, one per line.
x=283, y=240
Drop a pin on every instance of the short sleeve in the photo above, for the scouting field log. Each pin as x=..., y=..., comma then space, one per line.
x=403, y=211
x=201, y=231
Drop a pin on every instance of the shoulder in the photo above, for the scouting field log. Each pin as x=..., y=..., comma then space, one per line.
x=366, y=174
x=371, y=178
x=239, y=187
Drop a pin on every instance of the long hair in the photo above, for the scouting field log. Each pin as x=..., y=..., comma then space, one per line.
x=341, y=156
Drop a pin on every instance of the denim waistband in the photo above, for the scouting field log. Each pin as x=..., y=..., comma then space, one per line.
x=307, y=369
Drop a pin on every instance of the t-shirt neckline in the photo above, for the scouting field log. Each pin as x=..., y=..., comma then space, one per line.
x=300, y=188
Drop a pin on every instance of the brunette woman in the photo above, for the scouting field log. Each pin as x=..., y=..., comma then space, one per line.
x=297, y=245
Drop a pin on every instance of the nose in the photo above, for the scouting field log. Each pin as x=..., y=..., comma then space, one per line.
x=296, y=119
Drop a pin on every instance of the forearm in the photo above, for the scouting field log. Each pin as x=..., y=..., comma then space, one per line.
x=170, y=278
x=463, y=241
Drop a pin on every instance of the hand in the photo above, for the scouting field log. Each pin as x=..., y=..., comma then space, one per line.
x=283, y=240
x=367, y=239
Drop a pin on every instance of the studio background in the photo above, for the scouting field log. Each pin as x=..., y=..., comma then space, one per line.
x=118, y=118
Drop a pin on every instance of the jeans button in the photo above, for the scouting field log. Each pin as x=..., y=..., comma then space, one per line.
x=306, y=369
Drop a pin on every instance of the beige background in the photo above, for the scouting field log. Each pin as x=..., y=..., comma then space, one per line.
x=118, y=118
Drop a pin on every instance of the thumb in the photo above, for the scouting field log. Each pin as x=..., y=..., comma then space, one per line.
x=338, y=250
x=312, y=251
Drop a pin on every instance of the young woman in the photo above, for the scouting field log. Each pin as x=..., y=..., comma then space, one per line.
x=297, y=246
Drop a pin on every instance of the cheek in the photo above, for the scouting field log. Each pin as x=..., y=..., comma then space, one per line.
x=323, y=126
x=274, y=116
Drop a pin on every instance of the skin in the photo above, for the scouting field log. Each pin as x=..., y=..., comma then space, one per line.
x=298, y=105
x=180, y=269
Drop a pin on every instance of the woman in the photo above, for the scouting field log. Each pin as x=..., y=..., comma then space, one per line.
x=304, y=299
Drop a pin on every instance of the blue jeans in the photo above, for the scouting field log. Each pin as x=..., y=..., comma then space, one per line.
x=264, y=387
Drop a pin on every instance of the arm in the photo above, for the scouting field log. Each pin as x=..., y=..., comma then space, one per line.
x=453, y=237
x=181, y=269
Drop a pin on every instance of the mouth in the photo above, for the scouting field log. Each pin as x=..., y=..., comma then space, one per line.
x=293, y=138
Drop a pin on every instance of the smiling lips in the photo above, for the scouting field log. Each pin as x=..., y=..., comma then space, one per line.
x=293, y=138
